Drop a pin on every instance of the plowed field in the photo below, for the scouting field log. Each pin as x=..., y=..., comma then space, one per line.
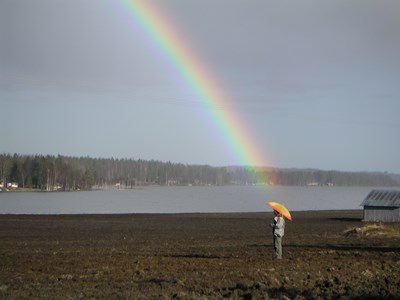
x=195, y=256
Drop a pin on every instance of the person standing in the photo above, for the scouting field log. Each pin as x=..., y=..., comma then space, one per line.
x=278, y=231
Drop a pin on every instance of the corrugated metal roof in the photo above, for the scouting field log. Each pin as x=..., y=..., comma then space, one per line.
x=386, y=198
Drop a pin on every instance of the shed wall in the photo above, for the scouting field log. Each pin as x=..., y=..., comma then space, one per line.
x=381, y=214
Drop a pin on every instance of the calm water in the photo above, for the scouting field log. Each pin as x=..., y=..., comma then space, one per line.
x=183, y=199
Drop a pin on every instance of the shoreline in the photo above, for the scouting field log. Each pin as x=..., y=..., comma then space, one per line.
x=313, y=212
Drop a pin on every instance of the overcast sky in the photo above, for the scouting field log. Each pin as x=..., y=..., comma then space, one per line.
x=317, y=83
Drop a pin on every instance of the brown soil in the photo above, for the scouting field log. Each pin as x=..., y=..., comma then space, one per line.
x=192, y=256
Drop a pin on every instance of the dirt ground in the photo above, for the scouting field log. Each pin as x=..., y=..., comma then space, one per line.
x=195, y=256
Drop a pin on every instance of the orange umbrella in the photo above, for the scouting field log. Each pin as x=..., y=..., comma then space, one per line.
x=280, y=209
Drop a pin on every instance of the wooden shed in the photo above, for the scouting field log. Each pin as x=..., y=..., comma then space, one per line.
x=382, y=206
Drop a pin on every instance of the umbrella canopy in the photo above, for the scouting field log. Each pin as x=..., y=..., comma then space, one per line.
x=280, y=209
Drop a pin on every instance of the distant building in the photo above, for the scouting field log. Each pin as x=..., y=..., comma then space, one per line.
x=12, y=185
x=382, y=206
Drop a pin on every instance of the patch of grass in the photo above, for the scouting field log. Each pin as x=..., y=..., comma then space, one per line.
x=372, y=230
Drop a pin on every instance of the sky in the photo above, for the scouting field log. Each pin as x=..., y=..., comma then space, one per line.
x=315, y=84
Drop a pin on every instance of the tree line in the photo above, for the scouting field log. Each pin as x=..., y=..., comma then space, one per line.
x=84, y=173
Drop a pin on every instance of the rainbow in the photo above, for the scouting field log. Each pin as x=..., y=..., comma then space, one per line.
x=163, y=35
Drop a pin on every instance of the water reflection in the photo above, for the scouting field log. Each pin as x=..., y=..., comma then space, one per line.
x=183, y=199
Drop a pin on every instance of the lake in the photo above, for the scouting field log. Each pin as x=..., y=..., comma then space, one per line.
x=182, y=199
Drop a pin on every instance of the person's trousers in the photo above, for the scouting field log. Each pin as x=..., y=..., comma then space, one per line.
x=278, y=246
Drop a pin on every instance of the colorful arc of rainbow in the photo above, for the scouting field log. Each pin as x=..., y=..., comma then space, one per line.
x=173, y=47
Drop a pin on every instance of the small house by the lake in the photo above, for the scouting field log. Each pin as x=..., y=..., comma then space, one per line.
x=382, y=206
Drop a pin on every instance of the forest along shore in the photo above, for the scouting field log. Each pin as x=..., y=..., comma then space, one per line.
x=326, y=254
x=64, y=173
